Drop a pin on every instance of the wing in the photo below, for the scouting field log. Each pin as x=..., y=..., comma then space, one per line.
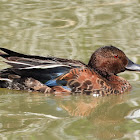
x=38, y=67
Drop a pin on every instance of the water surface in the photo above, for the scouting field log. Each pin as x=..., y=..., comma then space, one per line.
x=70, y=29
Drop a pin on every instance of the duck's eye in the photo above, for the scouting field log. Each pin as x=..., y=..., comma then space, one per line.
x=116, y=56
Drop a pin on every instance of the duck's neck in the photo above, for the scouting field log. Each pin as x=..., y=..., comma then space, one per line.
x=102, y=73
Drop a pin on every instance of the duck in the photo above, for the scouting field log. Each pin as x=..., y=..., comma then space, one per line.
x=58, y=75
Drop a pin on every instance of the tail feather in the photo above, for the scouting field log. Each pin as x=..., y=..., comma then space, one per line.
x=11, y=53
x=18, y=60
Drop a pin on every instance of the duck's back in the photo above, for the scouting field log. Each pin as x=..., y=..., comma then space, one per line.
x=37, y=67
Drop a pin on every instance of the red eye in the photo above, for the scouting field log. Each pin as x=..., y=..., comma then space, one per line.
x=116, y=56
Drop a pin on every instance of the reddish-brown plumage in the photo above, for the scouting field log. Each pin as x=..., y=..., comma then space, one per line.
x=88, y=81
x=51, y=74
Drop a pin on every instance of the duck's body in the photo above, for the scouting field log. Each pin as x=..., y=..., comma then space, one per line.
x=51, y=74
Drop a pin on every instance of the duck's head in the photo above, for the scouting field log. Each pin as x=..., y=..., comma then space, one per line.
x=110, y=60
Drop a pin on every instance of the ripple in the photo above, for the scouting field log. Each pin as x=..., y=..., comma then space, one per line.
x=135, y=114
x=70, y=29
x=41, y=115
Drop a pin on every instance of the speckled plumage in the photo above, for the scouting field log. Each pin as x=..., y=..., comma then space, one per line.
x=57, y=75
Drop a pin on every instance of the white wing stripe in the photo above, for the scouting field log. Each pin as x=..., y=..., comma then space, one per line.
x=18, y=63
x=45, y=66
x=29, y=66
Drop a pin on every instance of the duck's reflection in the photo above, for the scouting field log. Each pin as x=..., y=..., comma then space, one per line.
x=87, y=105
x=105, y=116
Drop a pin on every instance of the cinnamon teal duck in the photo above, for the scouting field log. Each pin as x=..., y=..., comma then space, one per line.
x=57, y=75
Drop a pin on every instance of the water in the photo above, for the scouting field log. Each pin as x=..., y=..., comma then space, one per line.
x=70, y=29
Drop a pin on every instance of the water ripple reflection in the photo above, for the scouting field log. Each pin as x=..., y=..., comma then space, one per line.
x=70, y=29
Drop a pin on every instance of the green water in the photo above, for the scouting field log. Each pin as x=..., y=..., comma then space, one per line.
x=70, y=29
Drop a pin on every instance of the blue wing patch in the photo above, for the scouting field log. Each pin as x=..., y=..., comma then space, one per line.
x=54, y=82
x=51, y=83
